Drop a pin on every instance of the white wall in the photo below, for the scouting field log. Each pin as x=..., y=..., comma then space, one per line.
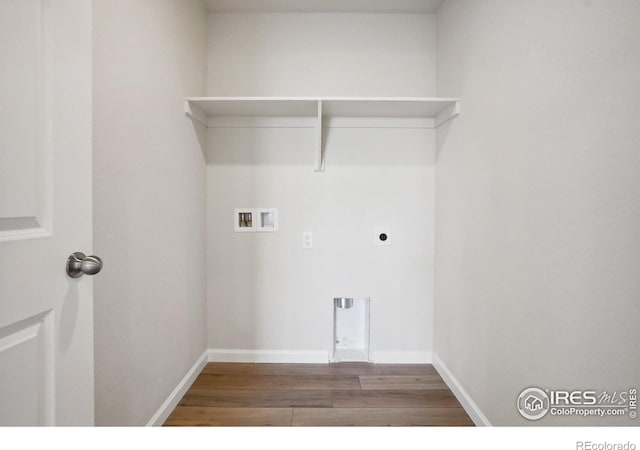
x=538, y=211
x=268, y=293
x=149, y=202
x=321, y=54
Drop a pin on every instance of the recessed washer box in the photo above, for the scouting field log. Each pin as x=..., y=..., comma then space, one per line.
x=255, y=219
x=244, y=220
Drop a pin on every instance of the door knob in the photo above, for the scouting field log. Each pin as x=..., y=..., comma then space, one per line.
x=79, y=264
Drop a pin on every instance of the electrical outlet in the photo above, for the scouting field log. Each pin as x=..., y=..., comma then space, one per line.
x=381, y=237
x=307, y=239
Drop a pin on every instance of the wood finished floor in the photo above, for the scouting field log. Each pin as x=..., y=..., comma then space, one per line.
x=344, y=394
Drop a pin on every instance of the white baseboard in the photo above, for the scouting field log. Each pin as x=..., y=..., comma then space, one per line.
x=172, y=401
x=309, y=356
x=463, y=396
x=390, y=357
x=267, y=356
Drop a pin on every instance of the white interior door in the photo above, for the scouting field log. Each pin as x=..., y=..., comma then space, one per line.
x=46, y=317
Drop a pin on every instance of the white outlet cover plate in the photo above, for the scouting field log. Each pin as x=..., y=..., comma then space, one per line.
x=307, y=239
x=376, y=237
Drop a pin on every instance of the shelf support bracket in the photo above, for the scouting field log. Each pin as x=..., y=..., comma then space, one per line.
x=319, y=166
x=447, y=114
x=196, y=114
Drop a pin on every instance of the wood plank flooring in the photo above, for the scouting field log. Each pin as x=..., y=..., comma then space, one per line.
x=344, y=394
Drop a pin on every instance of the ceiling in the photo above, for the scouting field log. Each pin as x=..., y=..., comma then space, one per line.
x=309, y=6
